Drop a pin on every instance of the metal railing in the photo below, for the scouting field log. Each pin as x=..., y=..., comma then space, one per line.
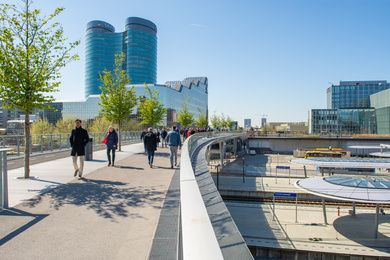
x=3, y=178
x=51, y=142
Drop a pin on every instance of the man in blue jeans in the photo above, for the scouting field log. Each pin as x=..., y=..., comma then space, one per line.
x=174, y=142
x=150, y=142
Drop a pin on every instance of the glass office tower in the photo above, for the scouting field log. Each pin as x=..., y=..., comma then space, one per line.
x=353, y=94
x=138, y=42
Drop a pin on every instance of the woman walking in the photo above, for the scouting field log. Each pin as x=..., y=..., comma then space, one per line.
x=112, y=145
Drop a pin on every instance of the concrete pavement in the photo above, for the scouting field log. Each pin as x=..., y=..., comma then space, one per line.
x=111, y=214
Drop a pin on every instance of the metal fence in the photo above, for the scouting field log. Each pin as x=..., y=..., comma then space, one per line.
x=51, y=142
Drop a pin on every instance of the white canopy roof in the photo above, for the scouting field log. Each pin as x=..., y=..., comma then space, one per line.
x=372, y=189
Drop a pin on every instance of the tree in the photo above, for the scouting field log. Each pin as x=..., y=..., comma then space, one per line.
x=215, y=121
x=185, y=118
x=116, y=100
x=222, y=120
x=65, y=125
x=32, y=51
x=99, y=124
x=42, y=127
x=152, y=110
x=202, y=121
x=229, y=122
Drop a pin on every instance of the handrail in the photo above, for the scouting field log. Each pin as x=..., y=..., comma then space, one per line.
x=51, y=142
x=4, y=178
x=199, y=239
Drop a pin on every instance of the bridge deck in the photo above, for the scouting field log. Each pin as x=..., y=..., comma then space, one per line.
x=111, y=214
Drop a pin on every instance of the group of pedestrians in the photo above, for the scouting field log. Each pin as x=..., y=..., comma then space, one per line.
x=79, y=139
x=151, y=140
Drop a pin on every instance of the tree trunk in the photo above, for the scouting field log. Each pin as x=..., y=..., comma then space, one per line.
x=27, y=146
x=119, y=137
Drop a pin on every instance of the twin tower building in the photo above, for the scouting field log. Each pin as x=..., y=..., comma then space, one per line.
x=139, y=44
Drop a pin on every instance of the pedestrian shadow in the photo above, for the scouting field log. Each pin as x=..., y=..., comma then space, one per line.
x=129, y=167
x=19, y=216
x=109, y=199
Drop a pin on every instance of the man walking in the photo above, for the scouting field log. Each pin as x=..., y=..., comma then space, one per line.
x=163, y=137
x=78, y=140
x=150, y=142
x=174, y=141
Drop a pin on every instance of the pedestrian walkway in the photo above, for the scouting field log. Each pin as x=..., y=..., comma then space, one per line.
x=111, y=214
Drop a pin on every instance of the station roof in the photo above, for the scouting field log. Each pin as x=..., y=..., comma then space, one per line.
x=366, y=189
x=344, y=163
x=380, y=154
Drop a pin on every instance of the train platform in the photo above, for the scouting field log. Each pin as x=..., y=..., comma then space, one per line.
x=300, y=227
x=110, y=214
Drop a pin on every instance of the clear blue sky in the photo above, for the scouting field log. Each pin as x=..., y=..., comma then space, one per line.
x=261, y=57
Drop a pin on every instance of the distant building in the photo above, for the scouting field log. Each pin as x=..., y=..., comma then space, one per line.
x=173, y=94
x=353, y=107
x=138, y=42
x=247, y=123
x=286, y=127
x=263, y=121
x=353, y=94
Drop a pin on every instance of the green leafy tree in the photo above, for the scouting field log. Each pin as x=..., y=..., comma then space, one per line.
x=152, y=110
x=116, y=100
x=202, y=121
x=229, y=122
x=215, y=121
x=32, y=51
x=99, y=124
x=185, y=117
x=64, y=125
x=42, y=127
x=222, y=120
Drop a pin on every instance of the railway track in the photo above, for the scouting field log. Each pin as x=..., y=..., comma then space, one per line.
x=301, y=202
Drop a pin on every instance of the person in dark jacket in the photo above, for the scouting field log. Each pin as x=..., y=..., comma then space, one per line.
x=142, y=137
x=78, y=140
x=150, y=142
x=112, y=144
x=163, y=137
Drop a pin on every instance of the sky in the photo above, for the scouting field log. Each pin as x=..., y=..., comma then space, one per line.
x=263, y=58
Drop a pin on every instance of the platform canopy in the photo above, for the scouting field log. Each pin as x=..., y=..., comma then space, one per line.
x=344, y=163
x=380, y=154
x=365, y=189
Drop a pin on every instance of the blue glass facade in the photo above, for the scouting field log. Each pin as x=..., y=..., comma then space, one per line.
x=138, y=42
x=343, y=121
x=173, y=94
x=353, y=94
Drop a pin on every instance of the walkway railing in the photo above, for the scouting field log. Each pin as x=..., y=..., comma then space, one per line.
x=3, y=178
x=199, y=238
x=51, y=142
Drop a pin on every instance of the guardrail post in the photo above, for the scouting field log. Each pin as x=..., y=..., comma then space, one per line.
x=3, y=142
x=51, y=142
x=18, y=143
x=60, y=142
x=4, y=178
x=41, y=143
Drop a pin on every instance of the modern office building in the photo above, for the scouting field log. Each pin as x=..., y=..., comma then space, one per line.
x=351, y=109
x=353, y=94
x=173, y=94
x=343, y=121
x=263, y=121
x=381, y=102
x=138, y=42
x=247, y=123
